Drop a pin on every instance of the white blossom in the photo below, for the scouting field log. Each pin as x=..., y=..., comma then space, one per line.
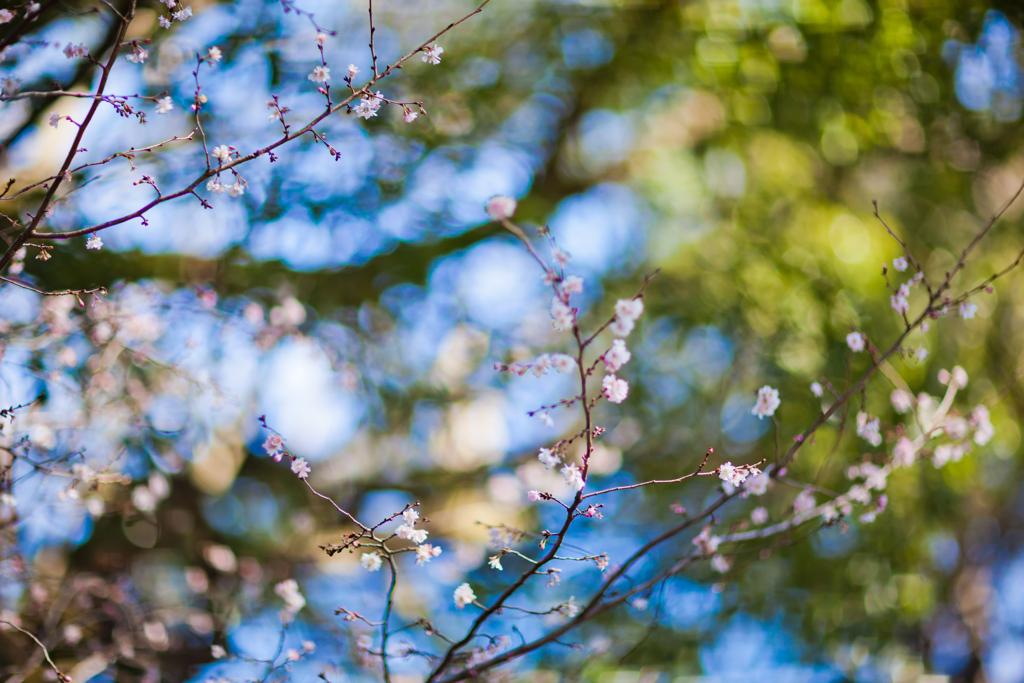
x=804, y=501
x=817, y=389
x=369, y=105
x=615, y=390
x=214, y=54
x=561, y=256
x=629, y=309
x=411, y=516
x=352, y=71
x=75, y=51
x=138, y=55
x=855, y=340
x=533, y=496
x=94, y=242
x=757, y=485
x=371, y=561
x=767, y=402
x=464, y=595
x=54, y=119
x=301, y=468
x=409, y=115
x=183, y=14
x=721, y=564
x=164, y=22
x=903, y=453
x=289, y=591
x=984, y=431
x=500, y=207
x=218, y=652
x=495, y=562
x=426, y=552
x=432, y=54
x=221, y=153
x=164, y=105
x=868, y=428
x=617, y=356
x=901, y=401
x=621, y=328
x=899, y=304
x=759, y=515
x=573, y=284
x=6, y=15
x=968, y=309
x=707, y=542
x=562, y=363
x=899, y=263
x=548, y=458
x=561, y=315
x=733, y=475
x=573, y=476
x=321, y=74
x=921, y=354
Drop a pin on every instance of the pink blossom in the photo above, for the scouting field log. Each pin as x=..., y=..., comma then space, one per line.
x=615, y=390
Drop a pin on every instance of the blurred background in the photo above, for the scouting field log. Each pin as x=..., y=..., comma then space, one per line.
x=360, y=305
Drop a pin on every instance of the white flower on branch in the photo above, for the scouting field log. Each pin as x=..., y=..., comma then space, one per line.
x=629, y=309
x=409, y=115
x=899, y=263
x=500, y=207
x=164, y=105
x=408, y=533
x=75, y=51
x=432, y=54
x=855, y=340
x=921, y=354
x=561, y=315
x=321, y=74
x=817, y=389
x=54, y=120
x=562, y=363
x=545, y=419
x=138, y=55
x=464, y=595
x=533, y=496
x=868, y=428
x=767, y=402
x=214, y=54
x=572, y=284
x=301, y=468
x=94, y=242
x=759, y=515
x=757, y=485
x=617, y=356
x=569, y=609
x=369, y=105
x=804, y=501
x=426, y=552
x=903, y=454
x=222, y=153
x=721, y=564
x=731, y=474
x=32, y=8
x=274, y=447
x=548, y=458
x=218, y=652
x=6, y=15
x=182, y=14
x=495, y=562
x=615, y=390
x=573, y=476
x=352, y=71
x=371, y=561
x=984, y=431
x=165, y=22
x=289, y=591
x=901, y=401
x=411, y=516
x=968, y=309
x=707, y=542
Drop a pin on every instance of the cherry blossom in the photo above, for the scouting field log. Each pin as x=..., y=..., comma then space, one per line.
x=707, y=542
x=301, y=468
x=561, y=315
x=921, y=354
x=804, y=501
x=222, y=153
x=369, y=105
x=426, y=552
x=968, y=309
x=409, y=115
x=495, y=562
x=759, y=515
x=757, y=484
x=903, y=453
x=352, y=71
x=165, y=22
x=411, y=516
x=899, y=263
x=75, y=51
x=562, y=363
x=371, y=561
x=615, y=390
x=137, y=55
x=183, y=14
x=868, y=428
x=500, y=207
x=617, y=356
x=432, y=54
x=464, y=595
x=533, y=496
x=54, y=119
x=573, y=477
x=767, y=402
x=94, y=242
x=733, y=475
x=321, y=74
x=6, y=15
x=855, y=340
x=288, y=590
x=164, y=105
x=214, y=54
x=218, y=652
x=548, y=458
x=901, y=401
x=979, y=419
x=817, y=389
x=721, y=564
